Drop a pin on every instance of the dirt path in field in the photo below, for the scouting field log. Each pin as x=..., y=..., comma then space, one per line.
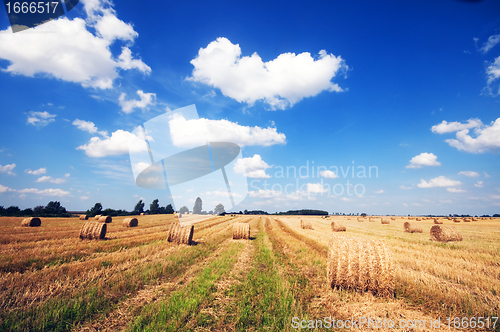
x=346, y=305
x=122, y=316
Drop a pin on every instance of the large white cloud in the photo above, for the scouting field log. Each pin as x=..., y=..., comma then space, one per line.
x=440, y=181
x=252, y=167
x=470, y=174
x=424, y=159
x=8, y=169
x=119, y=143
x=68, y=50
x=280, y=83
x=53, y=180
x=39, y=171
x=45, y=192
x=185, y=133
x=128, y=106
x=450, y=127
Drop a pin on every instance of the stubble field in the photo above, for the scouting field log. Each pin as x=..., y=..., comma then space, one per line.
x=135, y=280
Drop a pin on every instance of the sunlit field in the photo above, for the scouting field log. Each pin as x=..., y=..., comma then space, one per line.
x=135, y=280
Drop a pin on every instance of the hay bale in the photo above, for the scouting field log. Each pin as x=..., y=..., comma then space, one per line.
x=181, y=235
x=84, y=217
x=93, y=231
x=384, y=221
x=305, y=224
x=467, y=220
x=130, y=222
x=360, y=264
x=142, y=213
x=419, y=219
x=392, y=218
x=412, y=228
x=370, y=219
x=31, y=222
x=360, y=220
x=437, y=221
x=241, y=231
x=456, y=220
x=445, y=233
x=173, y=232
x=97, y=217
x=338, y=226
x=105, y=219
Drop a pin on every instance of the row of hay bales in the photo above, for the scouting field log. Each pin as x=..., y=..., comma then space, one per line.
x=441, y=233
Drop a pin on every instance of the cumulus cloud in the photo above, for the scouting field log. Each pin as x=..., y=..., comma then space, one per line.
x=328, y=174
x=381, y=191
x=490, y=43
x=486, y=137
x=450, y=127
x=53, y=180
x=440, y=181
x=39, y=171
x=128, y=106
x=479, y=184
x=280, y=83
x=119, y=143
x=404, y=187
x=184, y=133
x=455, y=190
x=70, y=50
x=40, y=119
x=493, y=73
x=45, y=192
x=424, y=159
x=8, y=169
x=88, y=126
x=253, y=167
x=4, y=189
x=316, y=188
x=469, y=174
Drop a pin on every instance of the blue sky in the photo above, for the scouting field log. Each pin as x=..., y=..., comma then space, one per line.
x=406, y=89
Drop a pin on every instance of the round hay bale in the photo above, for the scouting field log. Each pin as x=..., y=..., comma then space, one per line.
x=130, y=222
x=142, y=213
x=412, y=228
x=467, y=220
x=173, y=232
x=384, y=221
x=31, y=222
x=105, y=219
x=438, y=221
x=456, y=220
x=338, y=226
x=360, y=220
x=241, y=231
x=392, y=218
x=370, y=219
x=360, y=264
x=97, y=217
x=445, y=233
x=93, y=231
x=419, y=219
x=84, y=217
x=305, y=224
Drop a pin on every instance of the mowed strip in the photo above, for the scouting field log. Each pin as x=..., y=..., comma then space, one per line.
x=111, y=282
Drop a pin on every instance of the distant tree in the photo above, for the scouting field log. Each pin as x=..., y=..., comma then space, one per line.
x=27, y=212
x=12, y=211
x=363, y=215
x=169, y=209
x=154, y=207
x=139, y=208
x=203, y=212
x=197, y=206
x=54, y=208
x=245, y=212
x=38, y=210
x=210, y=212
x=496, y=215
x=2, y=210
x=219, y=209
x=184, y=209
x=97, y=209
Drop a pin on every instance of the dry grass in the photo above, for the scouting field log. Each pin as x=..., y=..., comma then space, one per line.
x=412, y=227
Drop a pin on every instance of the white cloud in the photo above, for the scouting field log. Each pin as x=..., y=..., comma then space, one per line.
x=405, y=204
x=381, y=191
x=493, y=73
x=4, y=189
x=84, y=198
x=492, y=41
x=40, y=119
x=416, y=204
x=424, y=159
x=53, y=180
x=128, y=106
x=487, y=138
x=88, y=126
x=184, y=133
x=455, y=190
x=280, y=83
x=345, y=199
x=68, y=49
x=328, y=174
x=404, y=187
x=486, y=175
x=440, y=181
x=45, y=192
x=253, y=167
x=119, y=143
x=449, y=127
x=39, y=171
x=7, y=169
x=479, y=184
x=495, y=196
x=316, y=188
x=469, y=174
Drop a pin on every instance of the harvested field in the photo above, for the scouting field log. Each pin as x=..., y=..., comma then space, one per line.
x=135, y=279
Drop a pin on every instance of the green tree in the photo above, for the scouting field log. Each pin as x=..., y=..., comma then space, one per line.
x=97, y=209
x=197, y=206
x=139, y=208
x=154, y=207
x=219, y=209
x=169, y=209
x=184, y=209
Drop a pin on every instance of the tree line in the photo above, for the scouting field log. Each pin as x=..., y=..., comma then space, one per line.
x=53, y=209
